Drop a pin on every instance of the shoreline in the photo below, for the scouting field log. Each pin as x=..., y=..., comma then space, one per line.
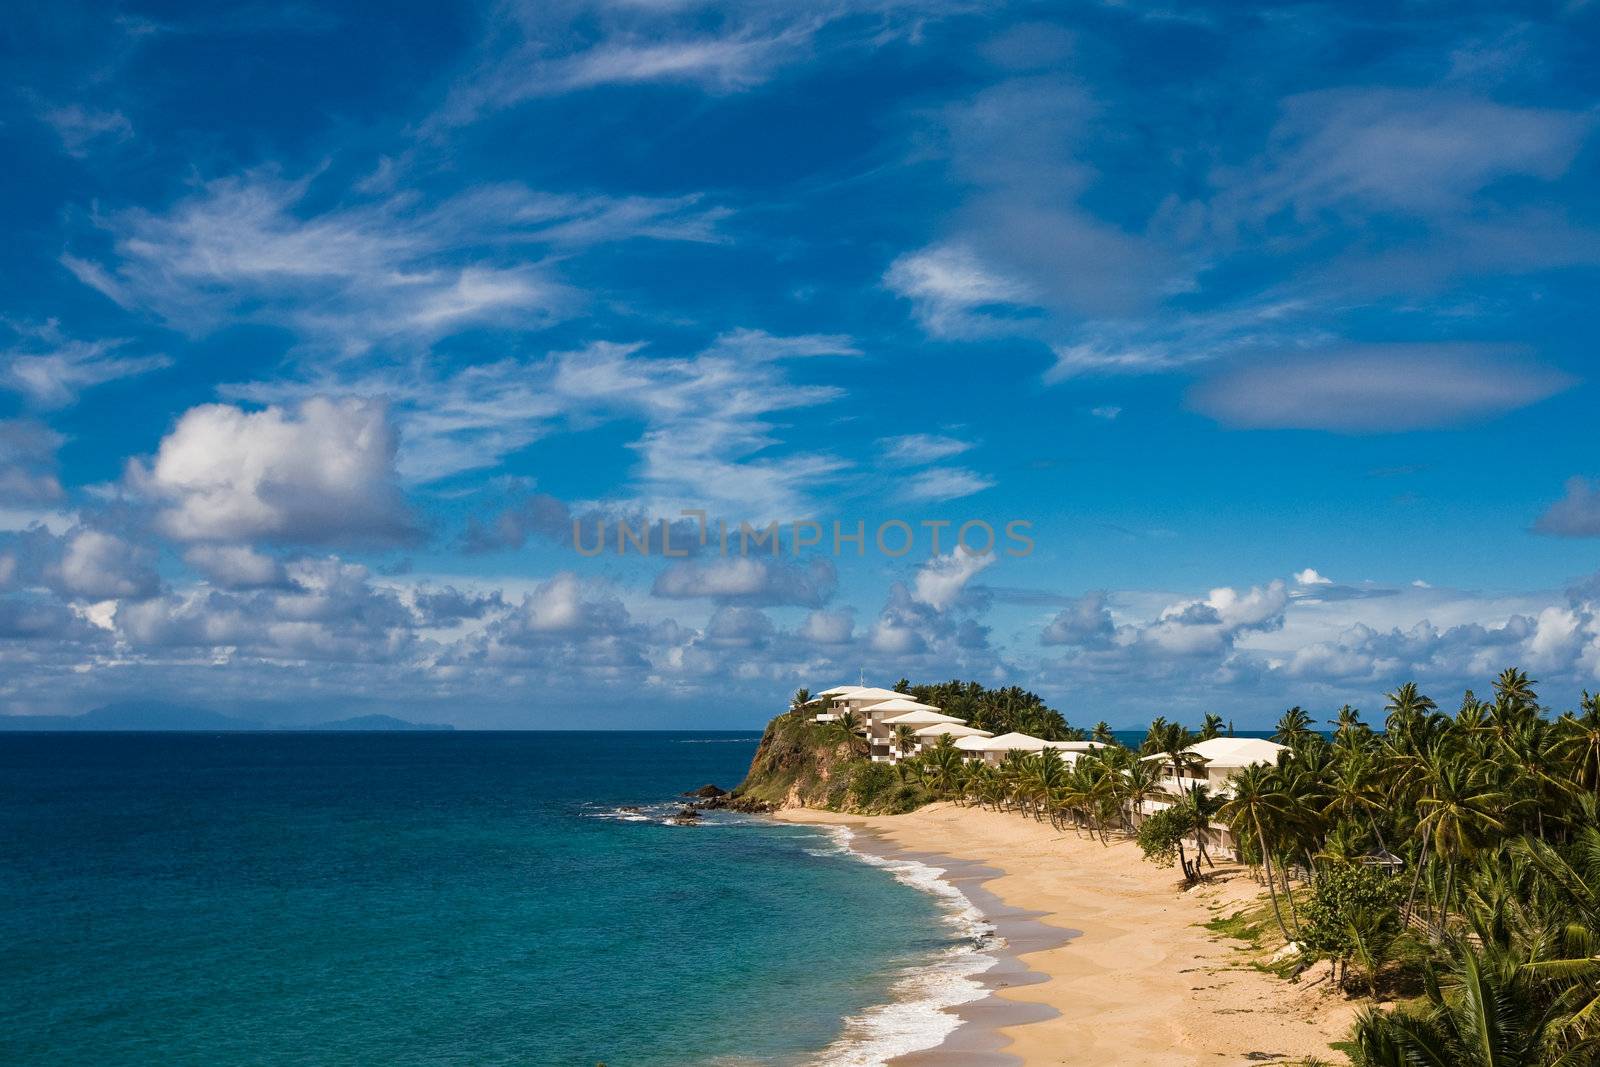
x=1104, y=959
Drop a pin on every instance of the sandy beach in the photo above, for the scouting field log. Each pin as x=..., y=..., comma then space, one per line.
x=1110, y=960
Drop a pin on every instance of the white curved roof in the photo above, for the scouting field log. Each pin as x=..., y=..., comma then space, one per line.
x=1237, y=751
x=1229, y=753
x=902, y=705
x=1013, y=740
x=922, y=718
x=838, y=691
x=955, y=730
x=872, y=695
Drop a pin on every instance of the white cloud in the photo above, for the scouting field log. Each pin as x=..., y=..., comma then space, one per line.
x=101, y=566
x=918, y=448
x=1411, y=150
x=1309, y=576
x=321, y=473
x=828, y=627
x=1086, y=622
x=53, y=370
x=749, y=580
x=1577, y=514
x=370, y=271
x=235, y=566
x=950, y=288
x=944, y=483
x=80, y=128
x=1377, y=388
x=940, y=581
x=28, y=462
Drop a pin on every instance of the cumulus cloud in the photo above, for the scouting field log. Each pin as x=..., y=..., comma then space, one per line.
x=28, y=462
x=709, y=420
x=1577, y=514
x=1309, y=576
x=99, y=566
x=940, y=581
x=750, y=580
x=321, y=473
x=1085, y=622
x=1213, y=624
x=828, y=627
x=1377, y=388
x=236, y=566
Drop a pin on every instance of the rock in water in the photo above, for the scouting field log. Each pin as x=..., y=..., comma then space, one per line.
x=707, y=791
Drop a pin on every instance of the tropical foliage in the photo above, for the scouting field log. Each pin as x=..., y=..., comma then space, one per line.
x=1453, y=853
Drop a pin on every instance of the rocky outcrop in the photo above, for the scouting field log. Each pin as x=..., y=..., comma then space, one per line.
x=802, y=763
x=707, y=792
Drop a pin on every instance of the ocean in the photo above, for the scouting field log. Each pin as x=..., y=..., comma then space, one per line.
x=447, y=898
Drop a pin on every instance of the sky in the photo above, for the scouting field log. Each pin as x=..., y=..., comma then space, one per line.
x=1262, y=338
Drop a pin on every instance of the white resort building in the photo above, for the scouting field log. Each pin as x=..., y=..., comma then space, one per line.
x=881, y=712
x=1211, y=763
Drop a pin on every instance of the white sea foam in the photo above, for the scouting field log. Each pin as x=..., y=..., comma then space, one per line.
x=917, y=1017
x=645, y=814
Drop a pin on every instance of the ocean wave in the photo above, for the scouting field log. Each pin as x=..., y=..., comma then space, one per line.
x=918, y=1016
x=644, y=813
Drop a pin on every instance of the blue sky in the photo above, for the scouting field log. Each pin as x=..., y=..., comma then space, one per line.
x=322, y=324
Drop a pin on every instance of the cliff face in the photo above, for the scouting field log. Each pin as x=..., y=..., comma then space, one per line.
x=801, y=763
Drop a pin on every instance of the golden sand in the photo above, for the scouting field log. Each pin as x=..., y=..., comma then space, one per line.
x=1143, y=982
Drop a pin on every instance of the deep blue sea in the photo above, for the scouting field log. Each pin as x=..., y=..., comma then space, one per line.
x=440, y=898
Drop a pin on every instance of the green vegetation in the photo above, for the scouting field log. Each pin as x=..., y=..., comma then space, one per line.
x=822, y=765
x=1455, y=855
x=1458, y=855
x=999, y=711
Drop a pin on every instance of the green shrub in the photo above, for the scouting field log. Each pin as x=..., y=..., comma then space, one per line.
x=1159, y=834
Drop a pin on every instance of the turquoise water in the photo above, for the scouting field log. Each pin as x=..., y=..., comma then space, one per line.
x=431, y=899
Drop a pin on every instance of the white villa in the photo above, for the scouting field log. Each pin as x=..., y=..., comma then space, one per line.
x=881, y=711
x=1215, y=761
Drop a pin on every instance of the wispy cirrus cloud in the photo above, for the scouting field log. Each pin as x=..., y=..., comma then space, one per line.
x=535, y=52
x=919, y=448
x=371, y=270
x=709, y=421
x=51, y=370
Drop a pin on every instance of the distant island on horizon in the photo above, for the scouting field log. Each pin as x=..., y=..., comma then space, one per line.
x=149, y=716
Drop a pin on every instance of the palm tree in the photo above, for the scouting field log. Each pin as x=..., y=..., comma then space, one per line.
x=1255, y=805
x=847, y=728
x=1293, y=728
x=1211, y=726
x=1458, y=806
x=1578, y=743
x=1346, y=722
x=1406, y=710
x=801, y=698
x=944, y=766
x=1102, y=733
x=905, y=738
x=1486, y=1014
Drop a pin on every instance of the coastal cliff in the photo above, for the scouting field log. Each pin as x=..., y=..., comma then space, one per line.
x=802, y=763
